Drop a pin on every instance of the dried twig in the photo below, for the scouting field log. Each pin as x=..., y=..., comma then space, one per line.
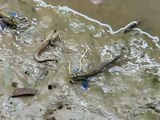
x=80, y=61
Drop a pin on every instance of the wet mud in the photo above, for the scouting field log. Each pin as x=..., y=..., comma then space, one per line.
x=118, y=93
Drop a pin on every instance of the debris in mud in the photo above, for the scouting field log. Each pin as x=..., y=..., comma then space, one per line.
x=2, y=24
x=20, y=92
x=8, y=20
x=153, y=106
x=85, y=84
x=12, y=20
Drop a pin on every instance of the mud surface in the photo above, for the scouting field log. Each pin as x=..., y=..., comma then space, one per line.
x=116, y=94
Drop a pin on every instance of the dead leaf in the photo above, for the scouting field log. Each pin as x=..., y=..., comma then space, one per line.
x=20, y=92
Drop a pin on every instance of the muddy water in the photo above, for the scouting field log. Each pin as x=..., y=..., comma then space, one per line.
x=119, y=13
x=116, y=94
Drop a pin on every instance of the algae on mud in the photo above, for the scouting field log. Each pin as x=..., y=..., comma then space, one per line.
x=113, y=95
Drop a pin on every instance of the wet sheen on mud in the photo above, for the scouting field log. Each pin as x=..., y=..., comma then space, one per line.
x=115, y=94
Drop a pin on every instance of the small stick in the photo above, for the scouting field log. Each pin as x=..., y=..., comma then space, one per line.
x=80, y=61
x=69, y=67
